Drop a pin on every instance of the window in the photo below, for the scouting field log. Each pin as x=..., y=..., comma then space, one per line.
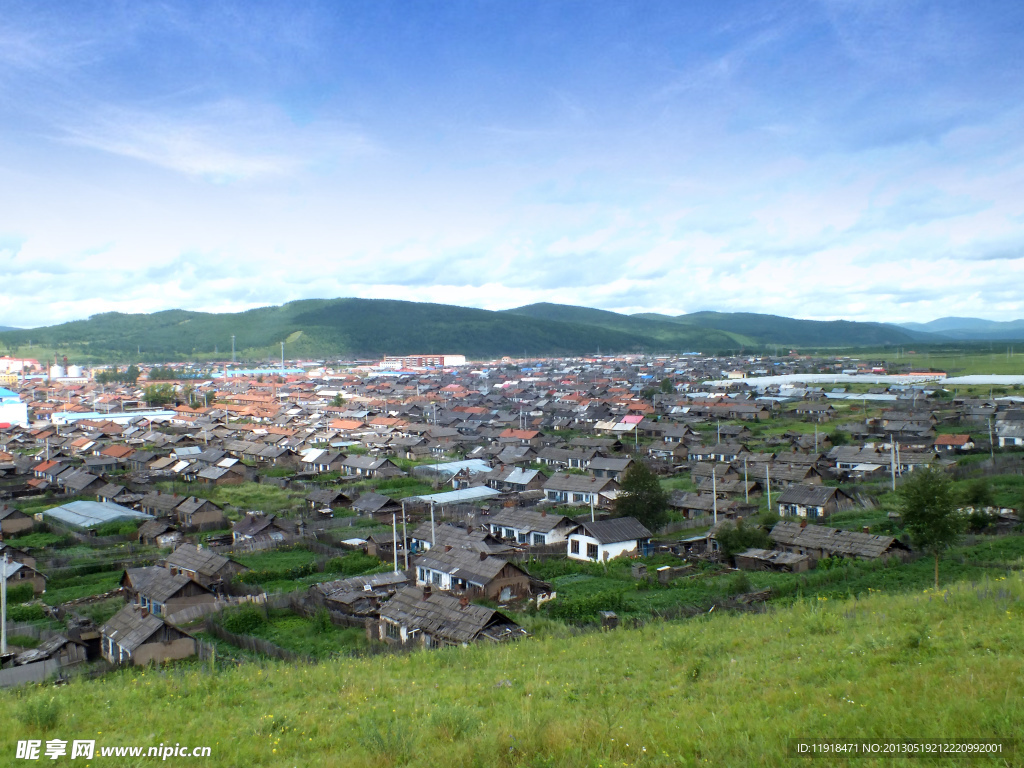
x=423, y=574
x=437, y=577
x=574, y=546
x=538, y=538
x=592, y=551
x=524, y=538
x=510, y=533
x=392, y=630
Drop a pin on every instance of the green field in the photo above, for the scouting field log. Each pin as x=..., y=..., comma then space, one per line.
x=720, y=690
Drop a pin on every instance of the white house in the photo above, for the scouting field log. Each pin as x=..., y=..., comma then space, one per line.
x=607, y=539
x=530, y=526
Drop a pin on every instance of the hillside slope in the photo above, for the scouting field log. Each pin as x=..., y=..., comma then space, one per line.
x=772, y=329
x=330, y=327
x=723, y=690
x=971, y=328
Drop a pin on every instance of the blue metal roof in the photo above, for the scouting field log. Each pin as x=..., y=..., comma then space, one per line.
x=91, y=514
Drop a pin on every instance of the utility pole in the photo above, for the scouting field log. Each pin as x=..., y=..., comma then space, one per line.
x=991, y=442
x=405, y=537
x=746, y=491
x=282, y=358
x=892, y=461
x=394, y=537
x=3, y=606
x=433, y=531
x=714, y=496
x=768, y=477
x=232, y=349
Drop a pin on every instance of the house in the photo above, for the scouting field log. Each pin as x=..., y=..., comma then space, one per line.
x=813, y=501
x=200, y=514
x=516, y=480
x=359, y=595
x=136, y=636
x=475, y=574
x=377, y=505
x=530, y=526
x=367, y=466
x=159, y=533
x=423, y=617
x=605, y=467
x=581, y=489
x=256, y=526
x=328, y=498
x=59, y=648
x=1010, y=434
x=20, y=573
x=607, y=539
x=817, y=541
x=772, y=560
x=158, y=591
x=953, y=443
x=13, y=522
x=202, y=565
x=427, y=535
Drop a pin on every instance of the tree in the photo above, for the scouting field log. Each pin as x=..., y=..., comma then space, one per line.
x=739, y=538
x=641, y=496
x=159, y=394
x=666, y=386
x=338, y=401
x=838, y=437
x=929, y=511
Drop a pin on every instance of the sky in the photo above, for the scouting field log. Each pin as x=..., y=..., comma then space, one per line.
x=855, y=159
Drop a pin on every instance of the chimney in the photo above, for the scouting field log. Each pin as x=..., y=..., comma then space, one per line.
x=447, y=547
x=426, y=592
x=866, y=529
x=144, y=613
x=463, y=601
x=803, y=523
x=483, y=555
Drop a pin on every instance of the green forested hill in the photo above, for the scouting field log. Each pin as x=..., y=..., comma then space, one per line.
x=772, y=329
x=365, y=328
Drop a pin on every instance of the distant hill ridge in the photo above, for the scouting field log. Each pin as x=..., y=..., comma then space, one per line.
x=368, y=328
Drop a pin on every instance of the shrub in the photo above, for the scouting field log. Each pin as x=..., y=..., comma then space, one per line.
x=739, y=583
x=321, y=621
x=583, y=609
x=19, y=594
x=25, y=613
x=390, y=740
x=244, y=621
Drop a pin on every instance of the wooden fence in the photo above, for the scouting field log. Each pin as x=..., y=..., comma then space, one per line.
x=29, y=630
x=685, y=525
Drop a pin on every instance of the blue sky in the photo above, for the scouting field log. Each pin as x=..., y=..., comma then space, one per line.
x=823, y=159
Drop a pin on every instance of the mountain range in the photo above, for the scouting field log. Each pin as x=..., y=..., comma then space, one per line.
x=368, y=328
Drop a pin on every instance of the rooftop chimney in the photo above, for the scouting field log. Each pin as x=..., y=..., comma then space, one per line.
x=447, y=547
x=426, y=592
x=483, y=555
x=803, y=523
x=866, y=529
x=463, y=601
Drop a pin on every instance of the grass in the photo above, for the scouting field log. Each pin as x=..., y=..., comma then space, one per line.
x=277, y=559
x=725, y=690
x=38, y=540
x=249, y=496
x=301, y=635
x=62, y=590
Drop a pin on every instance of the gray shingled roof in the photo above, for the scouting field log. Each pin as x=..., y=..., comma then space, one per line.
x=445, y=617
x=526, y=519
x=819, y=537
x=202, y=561
x=616, y=530
x=809, y=495
x=463, y=563
x=155, y=582
x=129, y=628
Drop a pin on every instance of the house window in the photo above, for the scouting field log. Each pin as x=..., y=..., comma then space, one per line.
x=392, y=630
x=437, y=577
x=510, y=533
x=524, y=538
x=574, y=546
x=423, y=574
x=592, y=551
x=538, y=538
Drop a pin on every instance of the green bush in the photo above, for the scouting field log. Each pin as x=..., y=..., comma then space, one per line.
x=25, y=613
x=19, y=594
x=244, y=621
x=321, y=621
x=354, y=564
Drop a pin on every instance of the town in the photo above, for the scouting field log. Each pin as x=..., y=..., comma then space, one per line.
x=215, y=513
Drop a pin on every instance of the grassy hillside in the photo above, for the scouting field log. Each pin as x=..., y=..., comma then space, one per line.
x=723, y=690
x=772, y=329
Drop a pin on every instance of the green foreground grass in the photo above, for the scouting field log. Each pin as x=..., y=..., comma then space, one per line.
x=724, y=690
